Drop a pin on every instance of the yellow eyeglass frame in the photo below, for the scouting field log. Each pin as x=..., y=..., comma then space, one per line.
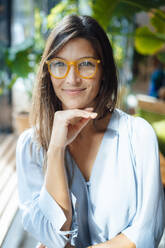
x=74, y=63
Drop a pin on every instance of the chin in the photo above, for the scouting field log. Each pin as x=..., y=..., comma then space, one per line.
x=75, y=106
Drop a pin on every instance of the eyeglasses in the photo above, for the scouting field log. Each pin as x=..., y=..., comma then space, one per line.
x=85, y=67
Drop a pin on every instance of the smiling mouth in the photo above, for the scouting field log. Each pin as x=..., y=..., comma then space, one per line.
x=73, y=91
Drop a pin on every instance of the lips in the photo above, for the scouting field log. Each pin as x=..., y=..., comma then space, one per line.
x=73, y=91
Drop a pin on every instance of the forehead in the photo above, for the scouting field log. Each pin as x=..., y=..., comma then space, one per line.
x=77, y=48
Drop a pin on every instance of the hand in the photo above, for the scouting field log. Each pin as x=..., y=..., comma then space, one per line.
x=68, y=124
x=41, y=246
x=69, y=246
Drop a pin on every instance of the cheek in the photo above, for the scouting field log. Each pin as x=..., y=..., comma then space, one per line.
x=56, y=84
x=53, y=83
x=95, y=86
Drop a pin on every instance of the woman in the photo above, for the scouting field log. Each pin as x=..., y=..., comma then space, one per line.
x=157, y=81
x=88, y=173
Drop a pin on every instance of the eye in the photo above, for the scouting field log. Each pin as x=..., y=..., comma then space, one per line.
x=86, y=63
x=59, y=64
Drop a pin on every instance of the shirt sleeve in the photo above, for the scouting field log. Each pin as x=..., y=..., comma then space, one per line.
x=148, y=224
x=41, y=214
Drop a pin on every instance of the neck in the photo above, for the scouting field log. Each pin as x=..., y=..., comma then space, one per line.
x=90, y=129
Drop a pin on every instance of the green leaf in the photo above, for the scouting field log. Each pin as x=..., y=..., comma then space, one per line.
x=57, y=11
x=158, y=21
x=27, y=45
x=159, y=13
x=60, y=10
x=21, y=66
x=103, y=11
x=145, y=5
x=160, y=36
x=12, y=82
x=147, y=42
x=38, y=19
x=18, y=59
x=161, y=57
x=125, y=10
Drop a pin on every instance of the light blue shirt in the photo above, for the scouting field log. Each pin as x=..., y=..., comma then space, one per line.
x=124, y=193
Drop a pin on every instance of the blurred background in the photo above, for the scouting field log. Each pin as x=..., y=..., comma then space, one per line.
x=136, y=30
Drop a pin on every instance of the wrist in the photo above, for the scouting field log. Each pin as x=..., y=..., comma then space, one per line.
x=55, y=149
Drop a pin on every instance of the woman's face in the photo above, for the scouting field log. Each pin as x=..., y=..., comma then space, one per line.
x=74, y=91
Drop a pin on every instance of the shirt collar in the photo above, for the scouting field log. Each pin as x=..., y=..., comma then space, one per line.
x=114, y=120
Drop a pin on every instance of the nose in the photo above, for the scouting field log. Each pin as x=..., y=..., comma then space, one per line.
x=72, y=77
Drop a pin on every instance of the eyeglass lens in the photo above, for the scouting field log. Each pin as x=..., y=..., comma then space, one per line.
x=85, y=67
x=58, y=68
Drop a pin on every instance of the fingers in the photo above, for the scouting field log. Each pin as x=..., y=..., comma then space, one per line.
x=41, y=246
x=89, y=109
x=72, y=116
x=81, y=117
x=68, y=123
x=82, y=114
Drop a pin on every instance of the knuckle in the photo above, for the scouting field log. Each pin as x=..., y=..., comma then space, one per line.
x=57, y=114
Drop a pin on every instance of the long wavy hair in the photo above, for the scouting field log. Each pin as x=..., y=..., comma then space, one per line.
x=44, y=101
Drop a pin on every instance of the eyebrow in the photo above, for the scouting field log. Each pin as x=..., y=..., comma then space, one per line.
x=93, y=57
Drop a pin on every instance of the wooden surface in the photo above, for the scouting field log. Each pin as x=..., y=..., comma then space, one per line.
x=162, y=168
x=151, y=104
x=8, y=183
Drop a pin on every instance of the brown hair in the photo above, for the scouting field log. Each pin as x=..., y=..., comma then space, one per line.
x=45, y=102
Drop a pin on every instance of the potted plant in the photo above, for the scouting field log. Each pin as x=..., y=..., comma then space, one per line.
x=20, y=66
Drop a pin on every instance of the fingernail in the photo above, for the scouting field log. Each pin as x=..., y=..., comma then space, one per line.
x=93, y=115
x=90, y=108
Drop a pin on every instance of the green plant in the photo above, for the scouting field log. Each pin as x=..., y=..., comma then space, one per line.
x=104, y=11
x=150, y=41
x=111, y=14
x=60, y=10
x=22, y=60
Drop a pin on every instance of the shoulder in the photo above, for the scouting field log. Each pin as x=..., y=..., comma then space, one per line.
x=26, y=136
x=143, y=129
x=27, y=146
x=135, y=125
x=26, y=139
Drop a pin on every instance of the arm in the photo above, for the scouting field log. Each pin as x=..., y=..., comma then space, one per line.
x=67, y=246
x=146, y=227
x=67, y=124
x=120, y=241
x=148, y=224
x=56, y=183
x=47, y=213
x=40, y=213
